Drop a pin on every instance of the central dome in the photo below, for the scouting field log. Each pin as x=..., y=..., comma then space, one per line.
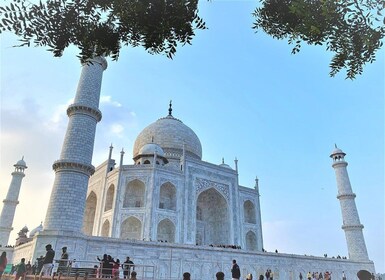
x=170, y=134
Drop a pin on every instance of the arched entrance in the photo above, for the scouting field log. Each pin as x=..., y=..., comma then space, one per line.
x=109, y=198
x=251, y=241
x=213, y=222
x=131, y=228
x=106, y=229
x=166, y=231
x=89, y=214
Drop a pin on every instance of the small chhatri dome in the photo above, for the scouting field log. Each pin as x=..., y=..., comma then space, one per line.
x=33, y=232
x=151, y=149
x=21, y=163
x=170, y=134
x=337, y=151
x=223, y=164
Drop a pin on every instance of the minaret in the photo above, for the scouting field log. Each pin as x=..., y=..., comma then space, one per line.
x=73, y=169
x=350, y=219
x=259, y=221
x=10, y=203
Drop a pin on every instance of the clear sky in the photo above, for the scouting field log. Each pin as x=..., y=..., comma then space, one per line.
x=245, y=95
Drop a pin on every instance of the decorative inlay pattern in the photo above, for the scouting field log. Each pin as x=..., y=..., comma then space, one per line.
x=204, y=184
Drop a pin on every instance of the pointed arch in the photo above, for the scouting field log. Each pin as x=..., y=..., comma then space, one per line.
x=110, y=198
x=166, y=231
x=167, y=196
x=214, y=226
x=106, y=229
x=134, y=195
x=89, y=213
x=131, y=228
x=251, y=241
x=249, y=212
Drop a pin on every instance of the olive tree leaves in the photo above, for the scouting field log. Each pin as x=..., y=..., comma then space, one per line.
x=352, y=29
x=101, y=27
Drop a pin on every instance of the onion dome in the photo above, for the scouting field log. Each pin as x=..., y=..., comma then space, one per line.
x=337, y=151
x=33, y=232
x=21, y=163
x=151, y=149
x=224, y=165
x=172, y=135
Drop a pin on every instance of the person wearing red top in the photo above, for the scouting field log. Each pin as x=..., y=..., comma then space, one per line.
x=3, y=263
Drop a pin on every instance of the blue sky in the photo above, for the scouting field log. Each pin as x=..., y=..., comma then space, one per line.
x=245, y=95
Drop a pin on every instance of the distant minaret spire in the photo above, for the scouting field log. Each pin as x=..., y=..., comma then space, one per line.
x=170, y=108
x=11, y=201
x=256, y=187
x=350, y=219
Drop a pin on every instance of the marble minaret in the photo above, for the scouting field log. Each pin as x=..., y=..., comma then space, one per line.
x=10, y=203
x=73, y=169
x=350, y=219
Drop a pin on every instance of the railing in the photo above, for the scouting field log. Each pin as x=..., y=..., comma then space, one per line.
x=93, y=269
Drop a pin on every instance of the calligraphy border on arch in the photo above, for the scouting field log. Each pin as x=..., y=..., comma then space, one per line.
x=204, y=184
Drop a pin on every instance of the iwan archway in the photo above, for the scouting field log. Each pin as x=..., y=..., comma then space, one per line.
x=213, y=224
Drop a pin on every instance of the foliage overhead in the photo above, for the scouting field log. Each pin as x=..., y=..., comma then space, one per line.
x=352, y=29
x=102, y=27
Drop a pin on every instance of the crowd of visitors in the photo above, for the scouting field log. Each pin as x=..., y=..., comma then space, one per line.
x=225, y=246
x=110, y=268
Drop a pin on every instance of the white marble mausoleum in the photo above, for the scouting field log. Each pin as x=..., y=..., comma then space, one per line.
x=169, y=194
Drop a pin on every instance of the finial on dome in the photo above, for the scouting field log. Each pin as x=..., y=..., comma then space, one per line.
x=335, y=145
x=170, y=108
x=223, y=160
x=152, y=139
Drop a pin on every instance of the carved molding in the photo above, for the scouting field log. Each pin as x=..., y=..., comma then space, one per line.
x=65, y=165
x=346, y=196
x=85, y=110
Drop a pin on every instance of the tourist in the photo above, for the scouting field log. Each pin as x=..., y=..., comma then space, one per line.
x=74, y=264
x=271, y=275
x=186, y=276
x=300, y=276
x=320, y=276
x=308, y=276
x=109, y=265
x=20, y=269
x=28, y=268
x=127, y=267
x=63, y=262
x=133, y=276
x=267, y=274
x=220, y=275
x=249, y=276
x=115, y=268
x=96, y=271
x=39, y=265
x=48, y=261
x=103, y=265
x=261, y=277
x=235, y=271
x=3, y=262
x=343, y=275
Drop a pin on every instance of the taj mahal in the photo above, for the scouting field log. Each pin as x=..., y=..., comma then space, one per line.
x=166, y=207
